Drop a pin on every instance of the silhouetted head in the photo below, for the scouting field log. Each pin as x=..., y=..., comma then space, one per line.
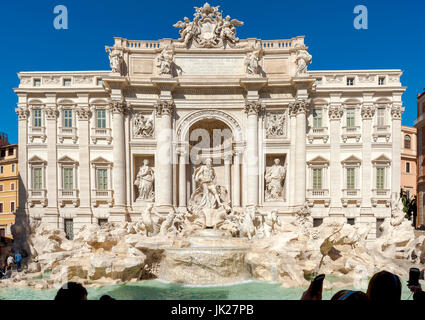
x=349, y=295
x=384, y=286
x=71, y=291
x=106, y=297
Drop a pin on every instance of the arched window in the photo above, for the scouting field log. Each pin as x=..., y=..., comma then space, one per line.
x=407, y=141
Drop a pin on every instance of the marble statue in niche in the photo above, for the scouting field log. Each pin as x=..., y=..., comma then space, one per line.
x=207, y=194
x=144, y=182
x=143, y=126
x=275, y=177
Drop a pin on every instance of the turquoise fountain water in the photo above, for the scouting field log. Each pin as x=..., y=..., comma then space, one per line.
x=159, y=290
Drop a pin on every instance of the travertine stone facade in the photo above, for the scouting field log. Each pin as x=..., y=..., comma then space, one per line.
x=84, y=135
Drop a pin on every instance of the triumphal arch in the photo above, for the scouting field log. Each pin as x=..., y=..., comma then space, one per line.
x=209, y=120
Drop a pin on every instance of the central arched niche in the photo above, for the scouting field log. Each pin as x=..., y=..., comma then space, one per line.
x=210, y=138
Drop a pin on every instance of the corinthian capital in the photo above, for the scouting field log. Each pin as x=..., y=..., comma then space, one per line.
x=396, y=112
x=253, y=107
x=299, y=106
x=368, y=111
x=164, y=107
x=51, y=113
x=83, y=113
x=335, y=112
x=118, y=107
x=22, y=113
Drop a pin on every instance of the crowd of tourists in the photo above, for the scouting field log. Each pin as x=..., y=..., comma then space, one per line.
x=384, y=286
x=11, y=262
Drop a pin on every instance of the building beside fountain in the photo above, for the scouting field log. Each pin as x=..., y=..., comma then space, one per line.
x=98, y=146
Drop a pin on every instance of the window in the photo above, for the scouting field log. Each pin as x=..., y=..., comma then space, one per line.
x=102, y=222
x=1, y=187
x=381, y=81
x=69, y=228
x=1, y=207
x=10, y=151
x=350, y=81
x=351, y=178
x=12, y=186
x=37, y=179
x=68, y=178
x=37, y=82
x=13, y=167
x=407, y=167
x=381, y=117
x=351, y=221
x=380, y=178
x=101, y=119
x=102, y=179
x=67, y=82
x=37, y=118
x=3, y=153
x=351, y=114
x=317, y=179
x=1, y=169
x=407, y=141
x=317, y=118
x=12, y=206
x=67, y=118
x=99, y=82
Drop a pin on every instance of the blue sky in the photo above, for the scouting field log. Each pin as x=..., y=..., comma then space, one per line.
x=395, y=37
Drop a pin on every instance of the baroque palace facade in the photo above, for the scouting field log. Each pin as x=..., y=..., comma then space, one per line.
x=97, y=146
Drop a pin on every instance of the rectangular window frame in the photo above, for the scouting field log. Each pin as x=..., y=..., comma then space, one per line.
x=350, y=117
x=317, y=118
x=350, y=178
x=317, y=178
x=68, y=178
x=37, y=121
x=67, y=118
x=380, y=178
x=101, y=118
x=33, y=178
x=102, y=182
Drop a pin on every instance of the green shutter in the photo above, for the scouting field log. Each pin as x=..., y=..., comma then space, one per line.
x=37, y=179
x=380, y=176
x=317, y=118
x=317, y=179
x=351, y=178
x=102, y=179
x=68, y=181
x=37, y=118
x=351, y=118
x=101, y=119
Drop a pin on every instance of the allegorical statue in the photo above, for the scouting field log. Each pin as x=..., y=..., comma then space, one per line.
x=143, y=126
x=275, y=177
x=144, y=181
x=302, y=60
x=115, y=59
x=165, y=60
x=151, y=220
x=252, y=66
x=208, y=194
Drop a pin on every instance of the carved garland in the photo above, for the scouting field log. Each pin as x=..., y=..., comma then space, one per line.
x=22, y=113
x=253, y=107
x=83, y=113
x=335, y=112
x=164, y=107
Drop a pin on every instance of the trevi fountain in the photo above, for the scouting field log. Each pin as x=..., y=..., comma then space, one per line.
x=255, y=215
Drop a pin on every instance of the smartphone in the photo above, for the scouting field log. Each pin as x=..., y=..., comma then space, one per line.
x=317, y=284
x=414, y=275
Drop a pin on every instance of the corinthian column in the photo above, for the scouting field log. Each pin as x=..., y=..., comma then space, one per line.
x=396, y=112
x=118, y=109
x=182, y=178
x=51, y=114
x=335, y=114
x=252, y=109
x=164, y=156
x=368, y=111
x=83, y=115
x=23, y=158
x=302, y=106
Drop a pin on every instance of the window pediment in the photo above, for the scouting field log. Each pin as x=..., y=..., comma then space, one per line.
x=351, y=160
x=67, y=160
x=382, y=159
x=318, y=161
x=100, y=161
x=37, y=160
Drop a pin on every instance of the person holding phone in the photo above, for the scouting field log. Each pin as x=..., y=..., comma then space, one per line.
x=414, y=285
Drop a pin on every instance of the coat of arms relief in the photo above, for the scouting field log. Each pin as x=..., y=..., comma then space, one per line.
x=208, y=29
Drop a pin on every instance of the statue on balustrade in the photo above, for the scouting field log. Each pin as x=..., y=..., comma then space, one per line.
x=165, y=61
x=275, y=177
x=207, y=195
x=144, y=181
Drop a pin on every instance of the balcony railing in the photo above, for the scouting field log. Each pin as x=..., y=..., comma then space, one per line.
x=381, y=128
x=69, y=196
x=317, y=193
x=102, y=196
x=37, y=132
x=318, y=133
x=67, y=133
x=351, y=132
x=381, y=193
x=101, y=134
x=37, y=196
x=351, y=193
x=381, y=196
